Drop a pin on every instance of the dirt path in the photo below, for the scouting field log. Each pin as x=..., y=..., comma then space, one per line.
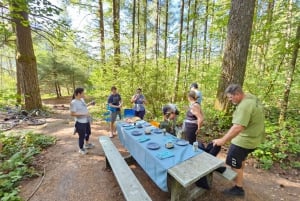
x=73, y=177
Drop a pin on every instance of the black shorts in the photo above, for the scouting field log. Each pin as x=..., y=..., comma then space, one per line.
x=236, y=155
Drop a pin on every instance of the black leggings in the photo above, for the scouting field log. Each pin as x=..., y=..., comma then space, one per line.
x=84, y=131
x=190, y=132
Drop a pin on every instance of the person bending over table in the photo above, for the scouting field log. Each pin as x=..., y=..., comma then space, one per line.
x=139, y=100
x=170, y=113
x=246, y=133
x=194, y=118
x=115, y=103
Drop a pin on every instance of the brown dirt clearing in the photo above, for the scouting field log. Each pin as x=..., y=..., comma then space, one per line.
x=70, y=176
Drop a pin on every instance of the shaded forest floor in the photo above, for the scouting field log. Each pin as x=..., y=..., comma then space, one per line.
x=70, y=176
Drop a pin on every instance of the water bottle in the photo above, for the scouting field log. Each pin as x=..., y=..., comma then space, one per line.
x=195, y=146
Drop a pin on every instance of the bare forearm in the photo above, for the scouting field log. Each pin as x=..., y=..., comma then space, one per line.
x=233, y=131
x=75, y=114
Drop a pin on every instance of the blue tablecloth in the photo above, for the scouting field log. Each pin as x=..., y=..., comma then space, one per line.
x=149, y=159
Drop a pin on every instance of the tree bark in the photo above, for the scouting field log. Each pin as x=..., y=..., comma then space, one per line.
x=138, y=33
x=101, y=24
x=186, y=70
x=166, y=30
x=157, y=22
x=145, y=30
x=25, y=55
x=179, y=53
x=133, y=33
x=236, y=48
x=195, y=14
x=116, y=39
x=289, y=78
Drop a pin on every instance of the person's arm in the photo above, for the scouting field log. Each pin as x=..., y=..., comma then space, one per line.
x=76, y=114
x=134, y=97
x=120, y=102
x=233, y=131
x=196, y=110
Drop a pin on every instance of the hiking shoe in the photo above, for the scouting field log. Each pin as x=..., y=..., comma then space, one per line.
x=83, y=151
x=235, y=191
x=89, y=146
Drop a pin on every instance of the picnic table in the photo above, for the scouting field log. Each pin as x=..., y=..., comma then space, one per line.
x=173, y=170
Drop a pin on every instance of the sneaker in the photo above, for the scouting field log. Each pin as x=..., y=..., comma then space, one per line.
x=89, y=146
x=235, y=191
x=83, y=151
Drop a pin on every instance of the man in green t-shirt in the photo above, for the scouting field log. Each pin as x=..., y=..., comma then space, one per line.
x=246, y=133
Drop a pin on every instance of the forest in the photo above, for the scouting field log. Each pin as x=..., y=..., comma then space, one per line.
x=48, y=48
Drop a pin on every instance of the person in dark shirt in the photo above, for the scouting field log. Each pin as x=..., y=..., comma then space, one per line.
x=115, y=104
x=194, y=118
x=139, y=100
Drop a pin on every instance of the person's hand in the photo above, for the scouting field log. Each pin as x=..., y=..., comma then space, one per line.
x=218, y=142
x=198, y=131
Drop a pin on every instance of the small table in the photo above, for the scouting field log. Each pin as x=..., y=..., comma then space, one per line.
x=175, y=173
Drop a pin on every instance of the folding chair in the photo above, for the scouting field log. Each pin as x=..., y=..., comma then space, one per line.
x=128, y=113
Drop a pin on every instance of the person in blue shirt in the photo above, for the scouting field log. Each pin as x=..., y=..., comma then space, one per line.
x=139, y=100
x=115, y=104
x=194, y=87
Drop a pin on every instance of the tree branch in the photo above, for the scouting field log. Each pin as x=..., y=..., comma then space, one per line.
x=35, y=31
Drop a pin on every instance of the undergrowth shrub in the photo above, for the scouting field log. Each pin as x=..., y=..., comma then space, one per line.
x=16, y=158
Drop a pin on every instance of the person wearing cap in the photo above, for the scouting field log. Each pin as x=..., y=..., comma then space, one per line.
x=115, y=103
x=170, y=113
x=194, y=87
x=139, y=100
x=194, y=118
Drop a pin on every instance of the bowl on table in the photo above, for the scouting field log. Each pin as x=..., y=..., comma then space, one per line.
x=169, y=145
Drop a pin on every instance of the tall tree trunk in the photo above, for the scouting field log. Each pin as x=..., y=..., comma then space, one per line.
x=236, y=48
x=138, y=33
x=194, y=32
x=101, y=24
x=205, y=32
x=133, y=33
x=267, y=29
x=177, y=75
x=157, y=22
x=145, y=30
x=166, y=31
x=116, y=40
x=187, y=48
x=133, y=42
x=25, y=55
x=289, y=78
x=19, y=81
x=210, y=43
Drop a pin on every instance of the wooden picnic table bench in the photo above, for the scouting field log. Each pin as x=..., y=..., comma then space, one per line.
x=130, y=186
x=182, y=177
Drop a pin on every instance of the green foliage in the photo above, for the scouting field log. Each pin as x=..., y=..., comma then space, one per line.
x=16, y=160
x=8, y=96
x=281, y=146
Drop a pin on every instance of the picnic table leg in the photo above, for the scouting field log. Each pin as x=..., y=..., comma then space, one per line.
x=107, y=164
x=129, y=159
x=177, y=191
